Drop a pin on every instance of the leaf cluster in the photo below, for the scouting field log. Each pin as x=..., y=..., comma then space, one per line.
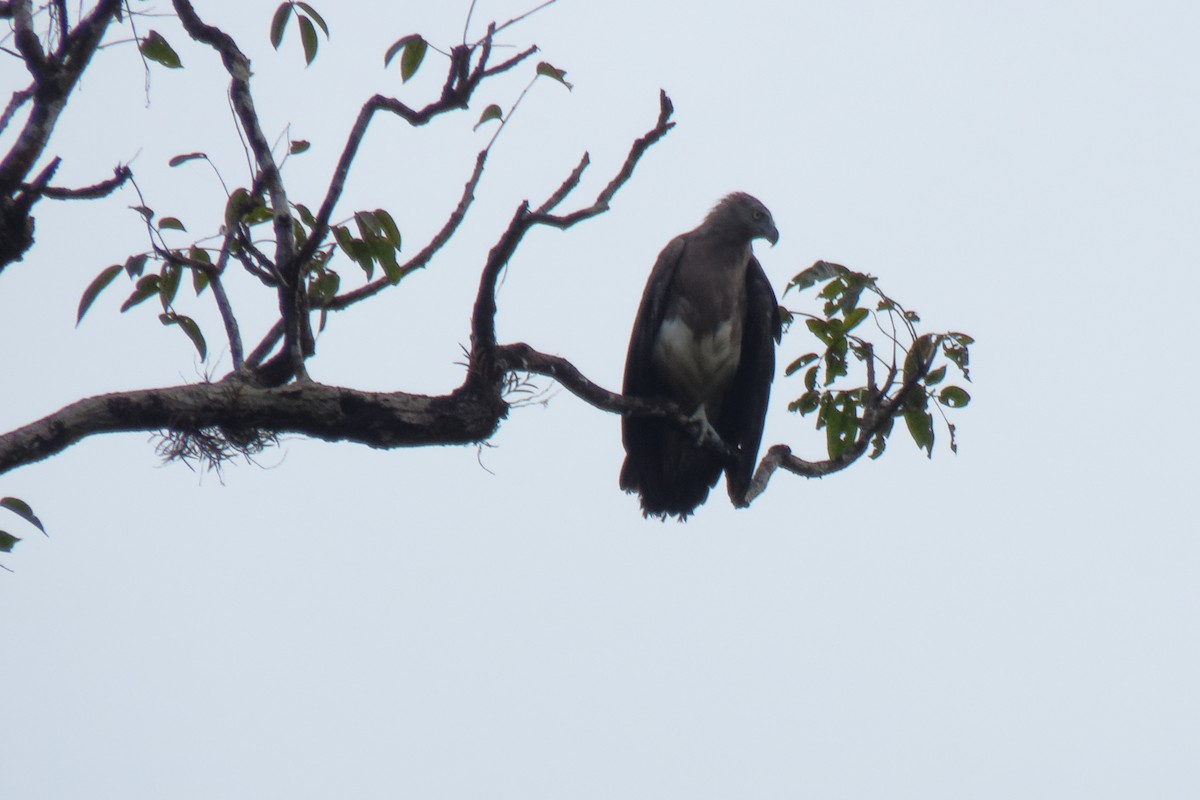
x=850, y=404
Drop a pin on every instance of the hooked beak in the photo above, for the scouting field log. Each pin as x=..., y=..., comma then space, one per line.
x=772, y=235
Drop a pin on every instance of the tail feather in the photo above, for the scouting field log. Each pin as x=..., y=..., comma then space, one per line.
x=673, y=478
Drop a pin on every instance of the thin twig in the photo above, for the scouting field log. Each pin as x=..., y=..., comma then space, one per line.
x=18, y=99
x=423, y=257
x=606, y=195
x=96, y=191
x=528, y=13
x=485, y=372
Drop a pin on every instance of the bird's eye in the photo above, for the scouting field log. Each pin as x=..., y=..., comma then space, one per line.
x=759, y=214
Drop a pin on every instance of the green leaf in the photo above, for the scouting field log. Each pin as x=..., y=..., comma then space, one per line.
x=237, y=205
x=356, y=249
x=279, y=24
x=805, y=403
x=190, y=328
x=551, y=71
x=413, y=47
x=820, y=329
x=835, y=362
x=308, y=38
x=168, y=286
x=257, y=214
x=810, y=377
x=147, y=287
x=390, y=267
x=879, y=440
x=935, y=376
x=299, y=146
x=22, y=510
x=368, y=225
x=854, y=317
x=388, y=227
x=849, y=301
x=831, y=291
x=800, y=363
x=7, y=541
x=199, y=276
x=820, y=271
x=325, y=287
x=135, y=264
x=94, y=288
x=841, y=426
x=960, y=357
x=171, y=223
x=954, y=397
x=919, y=355
x=920, y=427
x=490, y=113
x=414, y=54
x=396, y=47
x=155, y=48
x=317, y=18
x=148, y=213
x=186, y=157
x=306, y=216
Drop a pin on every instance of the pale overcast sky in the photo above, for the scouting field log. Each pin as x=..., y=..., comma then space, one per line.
x=1018, y=620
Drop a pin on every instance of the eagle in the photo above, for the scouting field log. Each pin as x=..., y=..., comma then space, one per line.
x=704, y=337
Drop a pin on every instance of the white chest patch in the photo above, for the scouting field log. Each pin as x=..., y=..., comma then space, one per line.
x=699, y=367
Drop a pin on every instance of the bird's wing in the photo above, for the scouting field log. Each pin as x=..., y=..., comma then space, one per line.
x=645, y=439
x=641, y=379
x=745, y=408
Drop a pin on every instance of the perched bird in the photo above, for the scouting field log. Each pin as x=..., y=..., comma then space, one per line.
x=705, y=338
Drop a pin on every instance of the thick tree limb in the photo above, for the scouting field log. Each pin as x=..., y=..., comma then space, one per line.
x=377, y=419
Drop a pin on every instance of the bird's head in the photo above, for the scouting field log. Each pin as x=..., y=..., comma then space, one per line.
x=747, y=216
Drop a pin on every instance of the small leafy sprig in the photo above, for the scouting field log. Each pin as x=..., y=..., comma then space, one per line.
x=913, y=375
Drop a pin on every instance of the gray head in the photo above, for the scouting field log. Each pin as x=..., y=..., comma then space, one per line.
x=743, y=217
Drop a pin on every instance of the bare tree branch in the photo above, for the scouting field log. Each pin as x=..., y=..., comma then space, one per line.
x=264, y=348
x=293, y=300
x=875, y=417
x=60, y=14
x=485, y=371
x=421, y=258
x=54, y=78
x=566, y=188
x=606, y=195
x=18, y=99
x=461, y=82
x=213, y=272
x=94, y=192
